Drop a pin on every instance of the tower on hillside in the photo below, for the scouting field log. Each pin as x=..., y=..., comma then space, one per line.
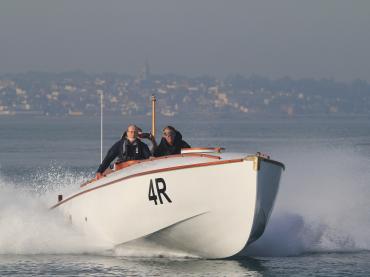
x=144, y=73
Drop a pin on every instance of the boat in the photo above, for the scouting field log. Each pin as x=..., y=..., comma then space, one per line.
x=204, y=202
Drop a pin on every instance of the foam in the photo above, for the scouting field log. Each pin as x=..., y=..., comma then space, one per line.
x=322, y=206
x=27, y=226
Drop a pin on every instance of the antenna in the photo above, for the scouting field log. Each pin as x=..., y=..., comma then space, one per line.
x=101, y=125
x=153, y=115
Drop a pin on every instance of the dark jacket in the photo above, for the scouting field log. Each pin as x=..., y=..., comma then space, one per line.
x=164, y=149
x=124, y=150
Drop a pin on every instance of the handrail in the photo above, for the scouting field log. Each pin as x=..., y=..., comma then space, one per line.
x=205, y=149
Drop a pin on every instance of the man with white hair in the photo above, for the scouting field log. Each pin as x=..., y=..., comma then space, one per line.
x=128, y=148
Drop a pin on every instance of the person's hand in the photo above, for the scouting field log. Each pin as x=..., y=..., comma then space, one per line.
x=98, y=175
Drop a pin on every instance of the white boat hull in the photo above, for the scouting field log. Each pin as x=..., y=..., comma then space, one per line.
x=205, y=207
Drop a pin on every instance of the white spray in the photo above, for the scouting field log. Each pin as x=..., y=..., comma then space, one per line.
x=27, y=226
x=322, y=206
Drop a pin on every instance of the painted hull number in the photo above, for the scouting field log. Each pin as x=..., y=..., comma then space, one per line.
x=159, y=192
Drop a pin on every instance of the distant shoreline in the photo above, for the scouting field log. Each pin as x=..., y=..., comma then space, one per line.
x=206, y=117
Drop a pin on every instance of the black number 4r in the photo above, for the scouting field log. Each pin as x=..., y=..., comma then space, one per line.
x=161, y=190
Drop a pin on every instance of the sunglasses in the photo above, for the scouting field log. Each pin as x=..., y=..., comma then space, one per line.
x=168, y=134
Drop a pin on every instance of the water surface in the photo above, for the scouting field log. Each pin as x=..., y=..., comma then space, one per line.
x=319, y=227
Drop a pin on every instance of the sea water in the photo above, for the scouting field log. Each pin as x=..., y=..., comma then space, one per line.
x=320, y=225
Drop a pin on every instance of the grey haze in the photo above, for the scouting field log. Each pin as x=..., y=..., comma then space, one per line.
x=320, y=39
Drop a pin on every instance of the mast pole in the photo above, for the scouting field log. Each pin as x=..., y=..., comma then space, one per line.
x=153, y=115
x=101, y=126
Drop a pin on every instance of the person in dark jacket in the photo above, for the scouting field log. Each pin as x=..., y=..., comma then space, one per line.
x=128, y=148
x=171, y=143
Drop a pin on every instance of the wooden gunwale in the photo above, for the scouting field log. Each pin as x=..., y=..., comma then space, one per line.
x=124, y=165
x=166, y=169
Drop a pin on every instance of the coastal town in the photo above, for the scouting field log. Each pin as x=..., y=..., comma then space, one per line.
x=78, y=93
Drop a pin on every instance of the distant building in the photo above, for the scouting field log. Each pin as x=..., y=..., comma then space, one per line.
x=144, y=73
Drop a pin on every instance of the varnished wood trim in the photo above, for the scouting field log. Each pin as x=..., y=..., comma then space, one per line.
x=130, y=163
x=257, y=161
x=216, y=149
x=185, y=155
x=123, y=165
x=180, y=167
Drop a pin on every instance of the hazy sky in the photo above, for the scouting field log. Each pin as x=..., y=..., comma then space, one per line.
x=271, y=38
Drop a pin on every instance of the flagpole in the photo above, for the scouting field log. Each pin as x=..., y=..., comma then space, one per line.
x=153, y=116
x=101, y=126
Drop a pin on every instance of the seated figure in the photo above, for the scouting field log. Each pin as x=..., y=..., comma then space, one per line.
x=128, y=148
x=171, y=143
